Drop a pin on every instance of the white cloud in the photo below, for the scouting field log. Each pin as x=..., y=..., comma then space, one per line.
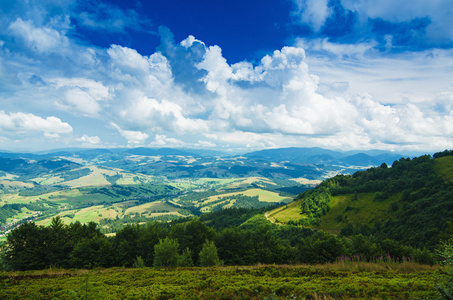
x=438, y=11
x=315, y=93
x=313, y=12
x=161, y=140
x=164, y=114
x=25, y=123
x=133, y=137
x=89, y=140
x=112, y=18
x=81, y=95
x=40, y=39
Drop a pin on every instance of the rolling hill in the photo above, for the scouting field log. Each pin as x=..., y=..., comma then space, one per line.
x=411, y=201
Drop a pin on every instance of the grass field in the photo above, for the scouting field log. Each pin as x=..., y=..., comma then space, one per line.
x=331, y=281
x=84, y=215
x=358, y=211
x=11, y=183
x=95, y=178
x=263, y=195
x=151, y=208
x=48, y=180
x=285, y=213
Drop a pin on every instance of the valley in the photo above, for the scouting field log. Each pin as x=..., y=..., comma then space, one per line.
x=118, y=186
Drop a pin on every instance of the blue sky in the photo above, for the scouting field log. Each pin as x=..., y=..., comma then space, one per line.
x=227, y=75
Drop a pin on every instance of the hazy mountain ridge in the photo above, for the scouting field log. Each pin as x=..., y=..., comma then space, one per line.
x=323, y=156
x=313, y=163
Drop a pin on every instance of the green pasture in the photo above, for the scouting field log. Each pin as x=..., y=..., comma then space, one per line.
x=148, y=208
x=7, y=176
x=15, y=184
x=95, y=178
x=263, y=196
x=48, y=180
x=84, y=215
x=285, y=213
x=266, y=196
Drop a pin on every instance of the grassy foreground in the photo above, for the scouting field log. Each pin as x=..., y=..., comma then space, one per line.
x=342, y=280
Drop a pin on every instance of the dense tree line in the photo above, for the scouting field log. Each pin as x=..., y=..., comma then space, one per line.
x=188, y=243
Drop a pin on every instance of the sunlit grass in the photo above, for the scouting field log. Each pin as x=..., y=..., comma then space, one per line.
x=285, y=213
x=444, y=166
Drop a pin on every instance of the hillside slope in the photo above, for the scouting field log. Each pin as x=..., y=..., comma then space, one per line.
x=411, y=202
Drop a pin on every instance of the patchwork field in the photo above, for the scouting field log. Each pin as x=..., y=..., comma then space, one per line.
x=99, y=193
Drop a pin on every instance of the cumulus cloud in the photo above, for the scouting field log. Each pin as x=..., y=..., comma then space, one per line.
x=24, y=123
x=186, y=94
x=81, y=95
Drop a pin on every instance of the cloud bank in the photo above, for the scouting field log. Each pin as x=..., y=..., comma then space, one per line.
x=185, y=93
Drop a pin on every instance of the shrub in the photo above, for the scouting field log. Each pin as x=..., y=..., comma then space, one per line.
x=166, y=253
x=445, y=287
x=208, y=255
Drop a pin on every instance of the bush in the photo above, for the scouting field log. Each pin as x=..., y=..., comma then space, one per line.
x=138, y=263
x=185, y=259
x=445, y=287
x=208, y=255
x=166, y=253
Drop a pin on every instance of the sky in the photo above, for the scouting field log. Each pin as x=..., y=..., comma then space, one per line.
x=234, y=76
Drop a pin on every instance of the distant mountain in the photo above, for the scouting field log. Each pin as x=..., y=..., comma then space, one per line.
x=25, y=167
x=296, y=155
x=323, y=156
x=206, y=152
x=14, y=155
x=360, y=159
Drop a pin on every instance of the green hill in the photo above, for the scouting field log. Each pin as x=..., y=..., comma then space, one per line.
x=411, y=202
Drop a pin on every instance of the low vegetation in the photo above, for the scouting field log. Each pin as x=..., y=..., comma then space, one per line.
x=332, y=281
